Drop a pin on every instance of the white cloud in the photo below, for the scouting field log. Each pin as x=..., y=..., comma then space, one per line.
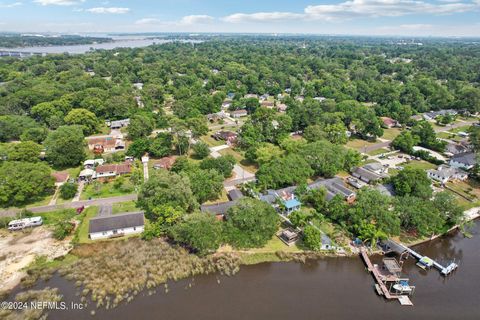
x=185, y=21
x=110, y=10
x=196, y=19
x=358, y=9
x=10, y=5
x=262, y=17
x=58, y=2
x=148, y=21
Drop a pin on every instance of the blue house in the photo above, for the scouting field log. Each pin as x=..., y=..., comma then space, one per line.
x=291, y=205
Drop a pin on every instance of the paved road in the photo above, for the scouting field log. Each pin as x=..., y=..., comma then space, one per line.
x=376, y=146
x=456, y=125
x=74, y=205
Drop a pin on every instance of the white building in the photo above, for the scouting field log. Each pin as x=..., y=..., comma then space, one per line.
x=444, y=174
x=117, y=225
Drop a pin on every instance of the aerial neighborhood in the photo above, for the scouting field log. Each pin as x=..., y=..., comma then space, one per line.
x=318, y=147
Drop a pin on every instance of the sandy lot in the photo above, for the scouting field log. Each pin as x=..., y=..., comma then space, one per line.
x=19, y=249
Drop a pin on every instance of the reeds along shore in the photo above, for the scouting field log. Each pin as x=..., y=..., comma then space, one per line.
x=110, y=273
x=28, y=313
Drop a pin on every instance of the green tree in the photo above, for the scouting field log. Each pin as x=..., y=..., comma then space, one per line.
x=419, y=215
x=413, y=182
x=84, y=118
x=312, y=238
x=251, y=223
x=285, y=171
x=166, y=188
x=201, y=150
x=140, y=126
x=224, y=165
x=36, y=134
x=162, y=145
x=206, y=184
x=68, y=190
x=300, y=218
x=139, y=147
x=405, y=142
x=65, y=146
x=24, y=182
x=24, y=151
x=200, y=231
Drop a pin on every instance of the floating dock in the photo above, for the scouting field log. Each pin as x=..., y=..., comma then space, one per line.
x=381, y=280
x=425, y=262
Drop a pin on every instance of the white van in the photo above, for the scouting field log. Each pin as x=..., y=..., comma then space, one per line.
x=25, y=223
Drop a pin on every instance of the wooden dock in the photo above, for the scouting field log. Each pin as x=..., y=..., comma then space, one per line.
x=380, y=286
x=445, y=271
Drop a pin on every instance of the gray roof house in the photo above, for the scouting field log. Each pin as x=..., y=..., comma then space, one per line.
x=116, y=225
x=464, y=161
x=334, y=186
x=218, y=209
x=455, y=148
x=369, y=173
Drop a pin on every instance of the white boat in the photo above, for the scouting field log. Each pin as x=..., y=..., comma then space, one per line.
x=402, y=288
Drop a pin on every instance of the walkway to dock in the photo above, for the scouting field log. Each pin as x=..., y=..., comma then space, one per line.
x=445, y=271
x=380, y=285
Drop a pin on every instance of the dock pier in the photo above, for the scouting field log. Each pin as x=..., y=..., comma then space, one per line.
x=381, y=280
x=445, y=271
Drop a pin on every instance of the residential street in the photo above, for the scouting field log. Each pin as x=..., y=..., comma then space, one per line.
x=78, y=204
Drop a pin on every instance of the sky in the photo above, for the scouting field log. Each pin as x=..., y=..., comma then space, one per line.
x=349, y=17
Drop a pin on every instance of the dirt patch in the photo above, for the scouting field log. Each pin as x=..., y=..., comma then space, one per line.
x=19, y=249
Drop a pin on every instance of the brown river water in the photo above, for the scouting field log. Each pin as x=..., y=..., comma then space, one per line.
x=329, y=288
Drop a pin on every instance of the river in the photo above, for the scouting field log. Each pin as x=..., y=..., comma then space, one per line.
x=329, y=288
x=118, y=42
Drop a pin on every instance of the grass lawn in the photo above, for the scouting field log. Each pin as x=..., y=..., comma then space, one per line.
x=274, y=245
x=106, y=190
x=469, y=189
x=82, y=231
x=52, y=217
x=446, y=135
x=359, y=144
x=459, y=129
x=419, y=164
x=391, y=133
x=122, y=207
x=41, y=202
x=378, y=152
x=74, y=172
x=211, y=142
x=245, y=164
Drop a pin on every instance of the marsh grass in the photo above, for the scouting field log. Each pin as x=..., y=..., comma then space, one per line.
x=115, y=272
x=45, y=295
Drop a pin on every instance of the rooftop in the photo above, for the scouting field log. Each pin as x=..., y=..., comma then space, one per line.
x=117, y=221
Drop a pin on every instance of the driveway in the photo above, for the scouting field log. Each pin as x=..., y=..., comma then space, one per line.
x=380, y=145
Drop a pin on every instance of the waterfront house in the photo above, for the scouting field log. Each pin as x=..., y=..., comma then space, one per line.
x=289, y=236
x=444, y=174
x=239, y=113
x=117, y=225
x=464, y=161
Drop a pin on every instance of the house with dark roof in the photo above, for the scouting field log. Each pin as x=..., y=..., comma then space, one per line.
x=454, y=148
x=235, y=194
x=370, y=173
x=334, y=186
x=218, y=209
x=464, y=161
x=117, y=225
